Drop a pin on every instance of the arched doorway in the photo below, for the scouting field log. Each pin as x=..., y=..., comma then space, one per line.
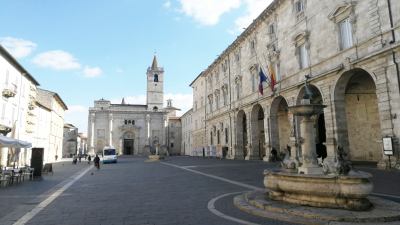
x=357, y=116
x=241, y=134
x=128, y=144
x=280, y=125
x=257, y=130
x=320, y=130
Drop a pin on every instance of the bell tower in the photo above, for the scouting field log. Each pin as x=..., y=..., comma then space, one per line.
x=155, y=86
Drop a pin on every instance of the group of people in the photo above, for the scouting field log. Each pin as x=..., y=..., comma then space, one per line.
x=96, y=160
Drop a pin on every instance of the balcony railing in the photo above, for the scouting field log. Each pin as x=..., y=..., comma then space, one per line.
x=10, y=91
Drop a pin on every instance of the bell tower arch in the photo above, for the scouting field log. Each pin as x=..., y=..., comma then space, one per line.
x=155, y=86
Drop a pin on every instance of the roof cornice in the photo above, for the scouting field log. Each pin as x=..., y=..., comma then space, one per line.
x=244, y=35
x=18, y=66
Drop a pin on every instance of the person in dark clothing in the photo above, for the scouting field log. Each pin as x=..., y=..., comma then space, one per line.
x=96, y=161
x=89, y=159
x=274, y=155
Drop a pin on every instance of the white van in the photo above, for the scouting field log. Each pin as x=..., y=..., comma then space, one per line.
x=109, y=155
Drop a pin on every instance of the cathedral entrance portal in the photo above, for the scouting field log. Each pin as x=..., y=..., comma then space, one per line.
x=128, y=147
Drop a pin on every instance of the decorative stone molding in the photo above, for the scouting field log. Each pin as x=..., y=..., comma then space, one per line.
x=32, y=105
x=224, y=88
x=342, y=12
x=272, y=52
x=301, y=38
x=253, y=68
x=238, y=79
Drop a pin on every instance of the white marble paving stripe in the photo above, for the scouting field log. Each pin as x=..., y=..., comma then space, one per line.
x=211, y=207
x=29, y=215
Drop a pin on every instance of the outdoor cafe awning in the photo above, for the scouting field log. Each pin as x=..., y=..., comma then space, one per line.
x=11, y=142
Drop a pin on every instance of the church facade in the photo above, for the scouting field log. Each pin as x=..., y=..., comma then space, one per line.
x=131, y=129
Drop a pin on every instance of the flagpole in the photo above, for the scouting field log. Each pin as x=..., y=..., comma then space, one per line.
x=270, y=82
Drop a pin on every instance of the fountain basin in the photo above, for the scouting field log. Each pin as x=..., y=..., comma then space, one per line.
x=155, y=157
x=306, y=109
x=328, y=191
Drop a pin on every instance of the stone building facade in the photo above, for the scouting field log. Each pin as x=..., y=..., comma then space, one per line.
x=351, y=52
x=70, y=141
x=17, y=103
x=51, y=128
x=28, y=113
x=131, y=129
x=187, y=128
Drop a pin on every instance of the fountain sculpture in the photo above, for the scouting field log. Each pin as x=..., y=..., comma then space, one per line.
x=307, y=191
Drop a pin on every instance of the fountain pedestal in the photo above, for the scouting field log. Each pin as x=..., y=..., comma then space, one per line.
x=307, y=140
x=310, y=164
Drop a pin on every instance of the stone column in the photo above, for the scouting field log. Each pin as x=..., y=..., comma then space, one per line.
x=92, y=118
x=120, y=146
x=110, y=128
x=292, y=138
x=266, y=136
x=249, y=146
x=148, y=128
x=232, y=136
x=4, y=156
x=310, y=165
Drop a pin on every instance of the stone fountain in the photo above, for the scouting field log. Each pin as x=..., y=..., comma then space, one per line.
x=311, y=193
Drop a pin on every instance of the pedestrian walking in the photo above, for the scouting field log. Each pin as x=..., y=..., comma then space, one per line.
x=80, y=158
x=96, y=161
x=89, y=159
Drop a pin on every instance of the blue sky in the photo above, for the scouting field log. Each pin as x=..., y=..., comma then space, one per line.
x=88, y=49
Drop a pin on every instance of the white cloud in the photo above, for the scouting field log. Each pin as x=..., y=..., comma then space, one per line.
x=253, y=9
x=167, y=4
x=57, y=60
x=207, y=12
x=19, y=48
x=77, y=115
x=92, y=71
x=181, y=101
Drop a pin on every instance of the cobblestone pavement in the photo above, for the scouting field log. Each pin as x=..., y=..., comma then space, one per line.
x=179, y=190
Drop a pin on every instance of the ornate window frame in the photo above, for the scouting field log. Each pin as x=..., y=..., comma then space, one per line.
x=338, y=15
x=300, y=14
x=224, y=89
x=217, y=98
x=299, y=40
x=253, y=69
x=210, y=102
x=238, y=86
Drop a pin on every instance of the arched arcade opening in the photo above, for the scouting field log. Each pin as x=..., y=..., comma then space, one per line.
x=280, y=124
x=258, y=132
x=357, y=116
x=241, y=134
